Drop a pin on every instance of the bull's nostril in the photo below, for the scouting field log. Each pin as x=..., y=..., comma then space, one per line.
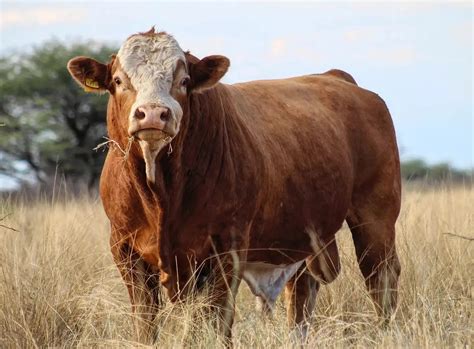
x=139, y=114
x=165, y=116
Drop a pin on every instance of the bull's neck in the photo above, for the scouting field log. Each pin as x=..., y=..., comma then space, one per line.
x=187, y=177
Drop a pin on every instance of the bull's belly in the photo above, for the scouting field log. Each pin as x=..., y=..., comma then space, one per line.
x=288, y=244
x=282, y=237
x=280, y=252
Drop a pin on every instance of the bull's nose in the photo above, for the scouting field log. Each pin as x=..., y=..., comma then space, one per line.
x=139, y=114
x=152, y=116
x=165, y=116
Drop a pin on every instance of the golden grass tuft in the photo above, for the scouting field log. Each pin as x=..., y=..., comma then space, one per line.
x=59, y=286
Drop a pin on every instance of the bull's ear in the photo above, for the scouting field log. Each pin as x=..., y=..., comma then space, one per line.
x=207, y=72
x=93, y=76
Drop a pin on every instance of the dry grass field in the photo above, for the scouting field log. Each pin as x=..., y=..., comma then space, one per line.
x=59, y=286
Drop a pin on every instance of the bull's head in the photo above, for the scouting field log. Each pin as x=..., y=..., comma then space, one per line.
x=150, y=81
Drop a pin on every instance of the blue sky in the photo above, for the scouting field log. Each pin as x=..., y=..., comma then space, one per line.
x=416, y=55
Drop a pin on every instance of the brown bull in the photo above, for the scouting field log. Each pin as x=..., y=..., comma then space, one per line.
x=247, y=181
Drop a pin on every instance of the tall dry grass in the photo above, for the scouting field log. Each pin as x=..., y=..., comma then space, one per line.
x=59, y=286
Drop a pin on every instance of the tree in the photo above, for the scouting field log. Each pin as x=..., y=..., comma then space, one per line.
x=414, y=169
x=48, y=124
x=417, y=169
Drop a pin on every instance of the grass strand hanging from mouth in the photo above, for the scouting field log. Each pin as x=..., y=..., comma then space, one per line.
x=109, y=141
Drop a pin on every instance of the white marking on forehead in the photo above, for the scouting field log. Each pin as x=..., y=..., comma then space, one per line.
x=147, y=58
x=149, y=61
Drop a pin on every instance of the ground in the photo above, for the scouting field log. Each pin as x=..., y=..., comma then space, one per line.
x=59, y=285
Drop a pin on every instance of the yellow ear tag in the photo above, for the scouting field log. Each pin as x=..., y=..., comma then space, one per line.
x=91, y=83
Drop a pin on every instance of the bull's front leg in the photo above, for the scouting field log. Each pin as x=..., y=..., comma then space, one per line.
x=142, y=281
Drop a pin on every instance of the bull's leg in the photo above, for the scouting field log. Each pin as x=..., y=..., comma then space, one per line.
x=220, y=289
x=301, y=291
x=324, y=265
x=226, y=303
x=143, y=287
x=228, y=252
x=300, y=297
x=223, y=287
x=372, y=223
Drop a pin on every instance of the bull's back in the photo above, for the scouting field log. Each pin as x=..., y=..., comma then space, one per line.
x=322, y=118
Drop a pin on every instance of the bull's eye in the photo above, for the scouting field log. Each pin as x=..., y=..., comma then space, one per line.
x=117, y=81
x=184, y=82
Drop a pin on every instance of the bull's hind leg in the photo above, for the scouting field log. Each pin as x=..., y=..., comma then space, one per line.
x=301, y=291
x=372, y=223
x=300, y=297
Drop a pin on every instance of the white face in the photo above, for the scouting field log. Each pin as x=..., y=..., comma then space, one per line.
x=149, y=62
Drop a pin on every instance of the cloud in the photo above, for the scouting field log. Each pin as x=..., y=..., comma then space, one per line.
x=310, y=55
x=278, y=47
x=393, y=56
x=284, y=50
x=359, y=34
x=387, y=8
x=41, y=16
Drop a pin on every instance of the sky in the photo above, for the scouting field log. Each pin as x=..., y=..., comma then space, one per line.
x=416, y=55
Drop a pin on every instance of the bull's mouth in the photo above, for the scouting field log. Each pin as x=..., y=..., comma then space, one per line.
x=152, y=135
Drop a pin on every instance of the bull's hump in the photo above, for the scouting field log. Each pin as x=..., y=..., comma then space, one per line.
x=341, y=74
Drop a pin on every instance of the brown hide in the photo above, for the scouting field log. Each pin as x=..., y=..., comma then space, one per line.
x=264, y=161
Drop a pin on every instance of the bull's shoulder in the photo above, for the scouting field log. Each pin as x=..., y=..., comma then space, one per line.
x=340, y=74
